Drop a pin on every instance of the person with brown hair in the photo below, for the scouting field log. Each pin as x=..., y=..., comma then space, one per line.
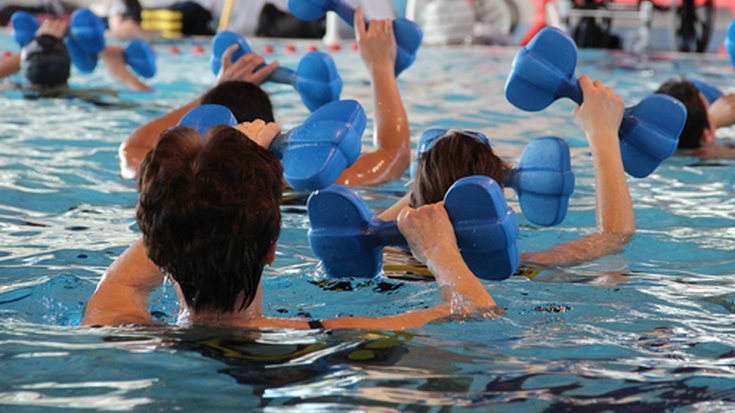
x=698, y=138
x=460, y=154
x=209, y=215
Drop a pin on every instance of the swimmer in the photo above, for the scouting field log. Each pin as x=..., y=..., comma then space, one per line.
x=698, y=138
x=458, y=155
x=46, y=64
x=209, y=214
x=392, y=135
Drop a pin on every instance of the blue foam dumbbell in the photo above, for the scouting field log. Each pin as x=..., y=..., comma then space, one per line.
x=316, y=77
x=349, y=239
x=543, y=72
x=313, y=154
x=85, y=40
x=407, y=33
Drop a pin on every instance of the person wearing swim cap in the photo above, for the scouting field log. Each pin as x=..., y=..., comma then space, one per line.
x=392, y=154
x=209, y=214
x=46, y=64
x=458, y=155
x=698, y=138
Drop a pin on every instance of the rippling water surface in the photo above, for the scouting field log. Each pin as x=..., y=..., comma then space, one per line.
x=649, y=329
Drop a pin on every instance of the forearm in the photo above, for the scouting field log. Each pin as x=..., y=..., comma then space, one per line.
x=460, y=287
x=614, y=206
x=128, y=80
x=141, y=141
x=392, y=138
x=10, y=66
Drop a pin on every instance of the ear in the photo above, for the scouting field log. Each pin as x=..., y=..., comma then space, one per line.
x=271, y=254
x=707, y=137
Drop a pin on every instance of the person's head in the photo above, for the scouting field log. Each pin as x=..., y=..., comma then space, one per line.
x=247, y=101
x=454, y=156
x=699, y=127
x=209, y=212
x=45, y=62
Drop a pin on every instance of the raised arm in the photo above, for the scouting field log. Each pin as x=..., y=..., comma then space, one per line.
x=431, y=238
x=392, y=136
x=137, y=145
x=122, y=293
x=599, y=116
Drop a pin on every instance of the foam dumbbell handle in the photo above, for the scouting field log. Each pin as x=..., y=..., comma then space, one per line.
x=349, y=239
x=25, y=26
x=316, y=77
x=408, y=34
x=543, y=181
x=543, y=72
x=710, y=92
x=313, y=154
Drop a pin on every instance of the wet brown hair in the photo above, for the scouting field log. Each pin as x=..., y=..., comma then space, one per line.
x=209, y=213
x=455, y=156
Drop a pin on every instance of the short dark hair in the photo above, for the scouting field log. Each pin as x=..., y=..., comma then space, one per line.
x=45, y=61
x=209, y=211
x=247, y=101
x=452, y=157
x=697, y=121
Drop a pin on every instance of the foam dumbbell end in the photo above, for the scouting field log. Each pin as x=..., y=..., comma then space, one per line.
x=407, y=33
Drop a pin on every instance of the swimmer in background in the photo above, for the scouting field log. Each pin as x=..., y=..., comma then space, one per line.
x=209, y=214
x=698, y=138
x=46, y=64
x=378, y=49
x=458, y=155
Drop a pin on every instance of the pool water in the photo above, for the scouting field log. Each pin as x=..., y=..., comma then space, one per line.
x=646, y=330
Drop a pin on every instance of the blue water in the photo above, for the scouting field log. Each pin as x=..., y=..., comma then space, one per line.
x=646, y=330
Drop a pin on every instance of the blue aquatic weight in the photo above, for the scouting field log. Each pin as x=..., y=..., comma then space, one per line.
x=710, y=92
x=407, y=33
x=543, y=72
x=85, y=40
x=543, y=179
x=316, y=77
x=349, y=239
x=25, y=26
x=313, y=154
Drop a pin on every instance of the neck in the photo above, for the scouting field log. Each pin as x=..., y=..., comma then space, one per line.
x=188, y=316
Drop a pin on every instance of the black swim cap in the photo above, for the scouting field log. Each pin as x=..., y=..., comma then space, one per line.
x=45, y=62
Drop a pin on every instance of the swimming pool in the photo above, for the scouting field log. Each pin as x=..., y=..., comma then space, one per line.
x=649, y=329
